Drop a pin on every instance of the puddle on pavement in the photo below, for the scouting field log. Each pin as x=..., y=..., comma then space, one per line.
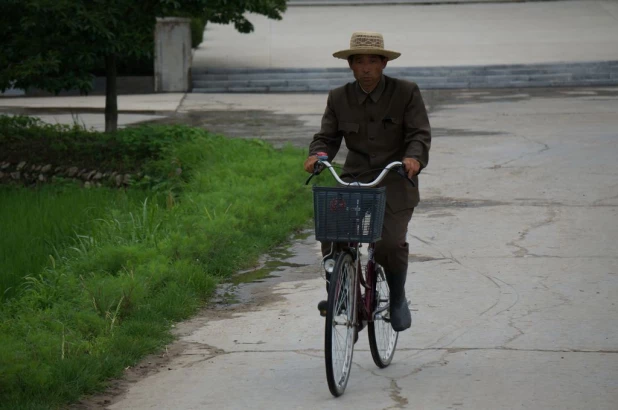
x=422, y=258
x=267, y=271
x=288, y=262
x=278, y=128
x=456, y=132
x=437, y=100
x=431, y=204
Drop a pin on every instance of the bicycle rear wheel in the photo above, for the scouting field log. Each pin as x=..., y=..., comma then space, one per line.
x=339, y=330
x=382, y=337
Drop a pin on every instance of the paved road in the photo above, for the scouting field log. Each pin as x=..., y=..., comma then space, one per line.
x=434, y=35
x=514, y=280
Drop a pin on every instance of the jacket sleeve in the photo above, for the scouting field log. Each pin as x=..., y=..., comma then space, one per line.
x=417, y=131
x=329, y=138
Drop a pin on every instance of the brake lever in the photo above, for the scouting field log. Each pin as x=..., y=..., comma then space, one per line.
x=315, y=172
x=402, y=172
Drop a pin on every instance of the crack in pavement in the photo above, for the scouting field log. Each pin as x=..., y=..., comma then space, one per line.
x=452, y=350
x=470, y=325
x=319, y=353
x=523, y=251
x=598, y=202
x=545, y=148
x=431, y=204
x=514, y=337
x=441, y=361
x=534, y=255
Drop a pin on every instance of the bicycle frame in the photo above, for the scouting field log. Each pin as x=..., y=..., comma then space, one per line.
x=365, y=303
x=363, y=311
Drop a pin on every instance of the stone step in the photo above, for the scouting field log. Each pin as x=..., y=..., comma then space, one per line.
x=552, y=67
x=324, y=79
x=491, y=79
x=294, y=3
x=445, y=86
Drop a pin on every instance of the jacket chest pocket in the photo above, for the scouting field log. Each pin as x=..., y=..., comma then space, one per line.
x=391, y=124
x=391, y=128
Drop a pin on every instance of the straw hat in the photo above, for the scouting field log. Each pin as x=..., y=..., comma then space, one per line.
x=366, y=42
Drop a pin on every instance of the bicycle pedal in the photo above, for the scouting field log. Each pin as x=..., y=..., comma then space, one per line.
x=323, y=307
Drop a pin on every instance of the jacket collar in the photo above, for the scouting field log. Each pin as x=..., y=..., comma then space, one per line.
x=374, y=95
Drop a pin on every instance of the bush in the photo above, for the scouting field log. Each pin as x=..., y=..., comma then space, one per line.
x=128, y=150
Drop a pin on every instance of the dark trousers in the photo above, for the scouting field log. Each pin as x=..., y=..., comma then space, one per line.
x=392, y=250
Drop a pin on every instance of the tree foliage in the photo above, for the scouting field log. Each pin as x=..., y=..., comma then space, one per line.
x=233, y=11
x=55, y=45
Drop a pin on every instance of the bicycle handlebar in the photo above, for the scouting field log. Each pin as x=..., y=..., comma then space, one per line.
x=322, y=161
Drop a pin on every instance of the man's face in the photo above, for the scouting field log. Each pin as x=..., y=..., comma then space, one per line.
x=368, y=70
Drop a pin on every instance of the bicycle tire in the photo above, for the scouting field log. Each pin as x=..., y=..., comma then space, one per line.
x=339, y=328
x=382, y=337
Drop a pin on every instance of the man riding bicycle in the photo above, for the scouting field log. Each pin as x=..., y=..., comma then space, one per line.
x=382, y=119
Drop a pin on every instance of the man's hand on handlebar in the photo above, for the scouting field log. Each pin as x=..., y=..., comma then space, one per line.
x=412, y=166
x=310, y=163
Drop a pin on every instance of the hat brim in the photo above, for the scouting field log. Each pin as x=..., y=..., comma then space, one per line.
x=344, y=54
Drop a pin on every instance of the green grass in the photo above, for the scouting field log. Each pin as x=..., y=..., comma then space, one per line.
x=36, y=224
x=130, y=266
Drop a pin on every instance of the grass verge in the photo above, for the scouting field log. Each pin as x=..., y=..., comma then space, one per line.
x=110, y=295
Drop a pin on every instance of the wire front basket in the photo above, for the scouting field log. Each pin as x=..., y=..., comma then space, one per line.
x=349, y=214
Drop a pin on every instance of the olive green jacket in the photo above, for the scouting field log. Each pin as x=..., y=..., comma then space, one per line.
x=387, y=125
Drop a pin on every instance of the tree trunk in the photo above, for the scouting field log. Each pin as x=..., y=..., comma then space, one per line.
x=111, y=94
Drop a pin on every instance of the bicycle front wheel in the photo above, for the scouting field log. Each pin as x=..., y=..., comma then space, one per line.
x=339, y=330
x=382, y=337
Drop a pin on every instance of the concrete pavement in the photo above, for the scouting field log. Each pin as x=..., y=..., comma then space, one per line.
x=514, y=268
x=514, y=278
x=435, y=35
x=88, y=110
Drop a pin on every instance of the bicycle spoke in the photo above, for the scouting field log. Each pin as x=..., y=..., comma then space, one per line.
x=382, y=338
x=339, y=344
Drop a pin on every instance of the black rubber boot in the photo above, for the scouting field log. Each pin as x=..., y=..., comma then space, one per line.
x=401, y=319
x=323, y=304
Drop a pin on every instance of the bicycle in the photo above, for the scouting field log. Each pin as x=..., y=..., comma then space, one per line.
x=352, y=215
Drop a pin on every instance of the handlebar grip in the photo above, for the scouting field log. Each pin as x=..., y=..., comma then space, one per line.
x=322, y=156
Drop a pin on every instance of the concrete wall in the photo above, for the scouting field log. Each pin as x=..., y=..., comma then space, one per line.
x=172, y=55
